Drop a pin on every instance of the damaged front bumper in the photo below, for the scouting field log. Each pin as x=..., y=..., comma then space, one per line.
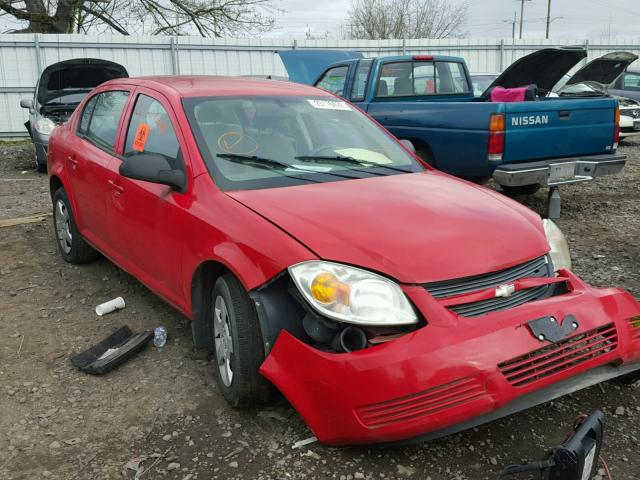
x=457, y=372
x=550, y=173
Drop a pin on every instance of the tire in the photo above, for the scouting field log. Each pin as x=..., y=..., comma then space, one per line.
x=41, y=167
x=235, y=324
x=73, y=248
x=520, y=190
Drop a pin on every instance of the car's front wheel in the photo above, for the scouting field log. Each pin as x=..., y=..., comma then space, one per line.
x=238, y=345
x=73, y=248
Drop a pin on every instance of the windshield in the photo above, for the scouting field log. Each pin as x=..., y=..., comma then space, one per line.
x=265, y=142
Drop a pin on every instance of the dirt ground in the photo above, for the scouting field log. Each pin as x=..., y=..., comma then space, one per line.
x=161, y=410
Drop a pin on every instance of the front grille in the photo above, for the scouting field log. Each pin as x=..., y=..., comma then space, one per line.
x=539, y=267
x=421, y=404
x=561, y=356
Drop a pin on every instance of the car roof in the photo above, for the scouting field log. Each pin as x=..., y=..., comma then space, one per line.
x=185, y=86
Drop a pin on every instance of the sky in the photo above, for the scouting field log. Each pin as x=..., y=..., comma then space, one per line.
x=598, y=19
x=595, y=19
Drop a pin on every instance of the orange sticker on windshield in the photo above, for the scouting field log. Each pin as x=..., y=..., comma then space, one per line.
x=141, y=137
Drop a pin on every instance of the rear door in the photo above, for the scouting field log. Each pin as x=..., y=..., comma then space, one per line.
x=553, y=128
x=148, y=218
x=89, y=159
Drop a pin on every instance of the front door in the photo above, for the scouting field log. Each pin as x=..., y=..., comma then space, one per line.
x=148, y=218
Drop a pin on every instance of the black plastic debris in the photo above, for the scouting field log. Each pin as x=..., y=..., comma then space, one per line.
x=112, y=351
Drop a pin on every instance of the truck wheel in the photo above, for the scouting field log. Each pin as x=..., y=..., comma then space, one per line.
x=238, y=345
x=520, y=190
x=73, y=248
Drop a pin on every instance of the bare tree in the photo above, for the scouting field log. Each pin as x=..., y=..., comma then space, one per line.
x=383, y=19
x=208, y=18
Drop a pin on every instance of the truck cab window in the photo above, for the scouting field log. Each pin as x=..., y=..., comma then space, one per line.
x=360, y=80
x=333, y=80
x=402, y=79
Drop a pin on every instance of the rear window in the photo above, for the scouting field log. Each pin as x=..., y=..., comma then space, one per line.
x=402, y=79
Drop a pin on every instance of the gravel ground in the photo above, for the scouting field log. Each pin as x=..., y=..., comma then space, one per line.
x=161, y=410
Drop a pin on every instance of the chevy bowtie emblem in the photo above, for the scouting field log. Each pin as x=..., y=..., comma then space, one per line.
x=505, y=290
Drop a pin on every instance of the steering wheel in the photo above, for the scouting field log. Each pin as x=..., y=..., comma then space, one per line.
x=324, y=150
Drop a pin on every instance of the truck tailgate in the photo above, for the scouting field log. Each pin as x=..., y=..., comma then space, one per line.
x=558, y=127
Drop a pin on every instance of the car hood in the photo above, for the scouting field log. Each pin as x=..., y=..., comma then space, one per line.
x=76, y=74
x=543, y=68
x=416, y=228
x=605, y=69
x=305, y=66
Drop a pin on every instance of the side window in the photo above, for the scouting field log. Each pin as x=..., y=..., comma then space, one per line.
x=86, y=116
x=333, y=80
x=150, y=131
x=360, y=81
x=103, y=123
x=631, y=81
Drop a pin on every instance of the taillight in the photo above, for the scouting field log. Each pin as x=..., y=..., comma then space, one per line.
x=616, y=128
x=496, y=137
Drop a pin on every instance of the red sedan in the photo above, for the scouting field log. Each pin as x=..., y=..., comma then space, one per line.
x=313, y=252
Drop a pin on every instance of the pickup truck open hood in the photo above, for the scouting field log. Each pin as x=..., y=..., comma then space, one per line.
x=416, y=228
x=305, y=66
x=605, y=69
x=543, y=68
x=78, y=74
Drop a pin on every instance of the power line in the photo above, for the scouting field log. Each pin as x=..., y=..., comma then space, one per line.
x=522, y=14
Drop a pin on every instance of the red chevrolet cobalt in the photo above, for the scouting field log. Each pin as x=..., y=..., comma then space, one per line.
x=314, y=253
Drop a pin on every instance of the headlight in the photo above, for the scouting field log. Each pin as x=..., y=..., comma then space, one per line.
x=44, y=126
x=560, y=255
x=351, y=295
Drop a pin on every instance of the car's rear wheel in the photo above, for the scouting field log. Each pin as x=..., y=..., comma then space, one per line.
x=73, y=248
x=520, y=190
x=238, y=345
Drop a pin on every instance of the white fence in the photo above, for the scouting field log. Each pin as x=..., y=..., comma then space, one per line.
x=24, y=56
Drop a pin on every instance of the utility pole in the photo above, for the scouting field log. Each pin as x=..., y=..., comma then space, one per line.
x=522, y=14
x=513, y=25
x=548, y=17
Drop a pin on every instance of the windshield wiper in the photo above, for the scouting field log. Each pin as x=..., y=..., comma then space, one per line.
x=254, y=159
x=265, y=163
x=348, y=161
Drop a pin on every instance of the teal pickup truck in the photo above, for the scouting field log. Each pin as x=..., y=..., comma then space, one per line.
x=428, y=100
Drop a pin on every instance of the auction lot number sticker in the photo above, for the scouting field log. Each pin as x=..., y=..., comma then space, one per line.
x=329, y=104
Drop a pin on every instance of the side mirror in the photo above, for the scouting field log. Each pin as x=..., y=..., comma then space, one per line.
x=408, y=144
x=26, y=103
x=154, y=168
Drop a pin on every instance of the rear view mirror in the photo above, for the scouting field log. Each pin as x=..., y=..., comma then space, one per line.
x=154, y=168
x=26, y=103
x=408, y=144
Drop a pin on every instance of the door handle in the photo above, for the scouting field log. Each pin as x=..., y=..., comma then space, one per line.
x=564, y=113
x=116, y=187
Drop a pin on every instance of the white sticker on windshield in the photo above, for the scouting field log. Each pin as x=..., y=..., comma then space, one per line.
x=329, y=104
